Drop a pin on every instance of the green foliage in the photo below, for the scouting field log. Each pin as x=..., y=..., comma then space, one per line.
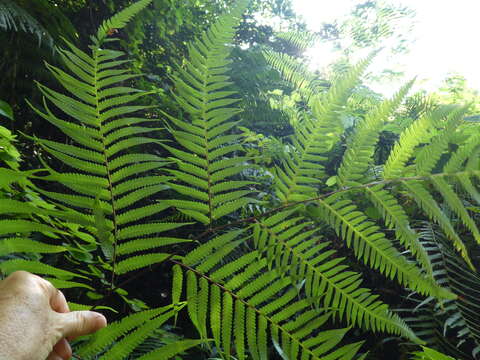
x=256, y=271
x=17, y=16
x=204, y=172
x=430, y=354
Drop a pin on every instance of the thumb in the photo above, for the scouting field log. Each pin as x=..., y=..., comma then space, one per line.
x=78, y=323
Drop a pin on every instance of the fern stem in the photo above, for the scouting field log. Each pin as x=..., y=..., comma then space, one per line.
x=342, y=190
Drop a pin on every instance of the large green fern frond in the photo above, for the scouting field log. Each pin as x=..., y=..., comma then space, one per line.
x=246, y=305
x=356, y=162
x=361, y=148
x=121, y=338
x=203, y=172
x=96, y=113
x=295, y=73
x=296, y=250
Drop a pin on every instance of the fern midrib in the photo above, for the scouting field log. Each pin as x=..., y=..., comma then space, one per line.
x=247, y=305
x=298, y=166
x=401, y=225
x=331, y=284
x=397, y=266
x=206, y=75
x=107, y=167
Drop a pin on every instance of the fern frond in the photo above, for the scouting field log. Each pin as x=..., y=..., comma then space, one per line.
x=294, y=72
x=15, y=17
x=397, y=219
x=124, y=347
x=466, y=283
x=426, y=161
x=371, y=246
x=301, y=40
x=456, y=204
x=417, y=133
x=361, y=148
x=140, y=321
x=106, y=177
x=296, y=250
x=429, y=205
x=430, y=354
x=429, y=155
x=207, y=136
x=121, y=19
x=169, y=351
x=313, y=139
x=249, y=303
x=465, y=152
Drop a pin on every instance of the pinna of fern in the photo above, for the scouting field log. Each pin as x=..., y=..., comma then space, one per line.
x=120, y=339
x=211, y=153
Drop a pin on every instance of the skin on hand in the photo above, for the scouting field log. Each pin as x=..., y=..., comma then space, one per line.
x=35, y=320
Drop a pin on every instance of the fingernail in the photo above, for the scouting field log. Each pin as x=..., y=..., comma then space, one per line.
x=100, y=318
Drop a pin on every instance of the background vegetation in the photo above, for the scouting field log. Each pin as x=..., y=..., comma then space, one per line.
x=176, y=165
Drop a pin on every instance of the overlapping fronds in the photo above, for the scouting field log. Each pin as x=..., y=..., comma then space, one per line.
x=396, y=218
x=18, y=222
x=246, y=305
x=204, y=173
x=295, y=249
x=299, y=176
x=355, y=166
x=361, y=147
x=466, y=283
x=120, y=339
x=419, y=132
x=431, y=146
x=302, y=41
x=371, y=245
x=266, y=282
x=430, y=318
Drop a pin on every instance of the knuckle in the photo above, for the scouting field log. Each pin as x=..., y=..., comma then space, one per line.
x=81, y=321
x=20, y=275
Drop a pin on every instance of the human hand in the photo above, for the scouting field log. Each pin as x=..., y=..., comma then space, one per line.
x=35, y=320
